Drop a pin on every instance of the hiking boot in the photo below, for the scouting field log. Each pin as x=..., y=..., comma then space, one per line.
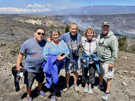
x=41, y=93
x=53, y=98
x=29, y=99
x=106, y=96
x=86, y=88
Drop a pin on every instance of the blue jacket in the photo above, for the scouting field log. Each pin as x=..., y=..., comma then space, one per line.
x=88, y=59
x=50, y=68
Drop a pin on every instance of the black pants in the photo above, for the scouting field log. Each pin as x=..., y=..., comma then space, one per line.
x=89, y=74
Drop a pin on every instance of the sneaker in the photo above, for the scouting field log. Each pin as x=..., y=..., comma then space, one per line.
x=41, y=93
x=90, y=91
x=76, y=88
x=96, y=87
x=53, y=98
x=86, y=88
x=67, y=87
x=106, y=97
x=29, y=98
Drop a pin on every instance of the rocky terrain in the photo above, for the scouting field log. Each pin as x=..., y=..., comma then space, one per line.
x=17, y=28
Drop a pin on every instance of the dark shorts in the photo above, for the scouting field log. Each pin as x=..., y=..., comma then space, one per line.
x=29, y=78
x=71, y=67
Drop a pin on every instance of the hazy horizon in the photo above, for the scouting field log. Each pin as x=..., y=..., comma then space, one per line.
x=36, y=6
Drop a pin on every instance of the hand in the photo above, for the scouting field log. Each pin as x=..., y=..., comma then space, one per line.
x=49, y=39
x=60, y=57
x=18, y=68
x=111, y=66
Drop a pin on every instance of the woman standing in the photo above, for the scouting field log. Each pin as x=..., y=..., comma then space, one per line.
x=54, y=53
x=88, y=65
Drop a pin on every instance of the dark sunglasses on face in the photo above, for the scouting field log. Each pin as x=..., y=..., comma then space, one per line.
x=39, y=33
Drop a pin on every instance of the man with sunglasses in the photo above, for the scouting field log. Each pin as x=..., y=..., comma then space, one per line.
x=32, y=50
x=107, y=50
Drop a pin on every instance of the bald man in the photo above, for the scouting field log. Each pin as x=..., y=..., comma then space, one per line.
x=72, y=39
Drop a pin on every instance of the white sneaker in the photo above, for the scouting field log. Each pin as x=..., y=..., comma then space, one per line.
x=29, y=99
x=106, y=97
x=67, y=87
x=76, y=88
x=53, y=98
x=86, y=88
x=41, y=93
x=90, y=91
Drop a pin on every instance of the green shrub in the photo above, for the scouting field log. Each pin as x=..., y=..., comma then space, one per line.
x=3, y=43
x=123, y=44
x=14, y=50
x=132, y=49
x=67, y=28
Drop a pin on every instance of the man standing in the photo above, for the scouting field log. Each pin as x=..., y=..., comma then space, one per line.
x=32, y=50
x=107, y=50
x=72, y=39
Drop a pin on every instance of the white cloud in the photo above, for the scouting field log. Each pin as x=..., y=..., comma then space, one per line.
x=30, y=8
x=35, y=6
x=10, y=10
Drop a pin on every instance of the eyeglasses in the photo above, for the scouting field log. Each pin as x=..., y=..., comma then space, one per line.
x=39, y=33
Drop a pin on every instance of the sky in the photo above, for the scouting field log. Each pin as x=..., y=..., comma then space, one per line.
x=27, y=6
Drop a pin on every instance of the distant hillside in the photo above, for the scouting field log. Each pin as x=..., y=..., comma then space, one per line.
x=14, y=29
x=95, y=10
x=121, y=24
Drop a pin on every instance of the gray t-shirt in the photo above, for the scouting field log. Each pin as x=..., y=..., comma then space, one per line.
x=32, y=50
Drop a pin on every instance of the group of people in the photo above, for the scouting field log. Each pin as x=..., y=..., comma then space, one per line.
x=45, y=58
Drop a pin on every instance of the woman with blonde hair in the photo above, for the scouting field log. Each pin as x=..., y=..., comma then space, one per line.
x=88, y=60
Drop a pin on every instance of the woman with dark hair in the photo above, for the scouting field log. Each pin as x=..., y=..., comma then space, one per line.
x=55, y=53
x=87, y=59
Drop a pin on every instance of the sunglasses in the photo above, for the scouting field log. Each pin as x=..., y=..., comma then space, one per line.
x=39, y=33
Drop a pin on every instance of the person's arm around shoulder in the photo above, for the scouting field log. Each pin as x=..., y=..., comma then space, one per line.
x=66, y=49
x=62, y=37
